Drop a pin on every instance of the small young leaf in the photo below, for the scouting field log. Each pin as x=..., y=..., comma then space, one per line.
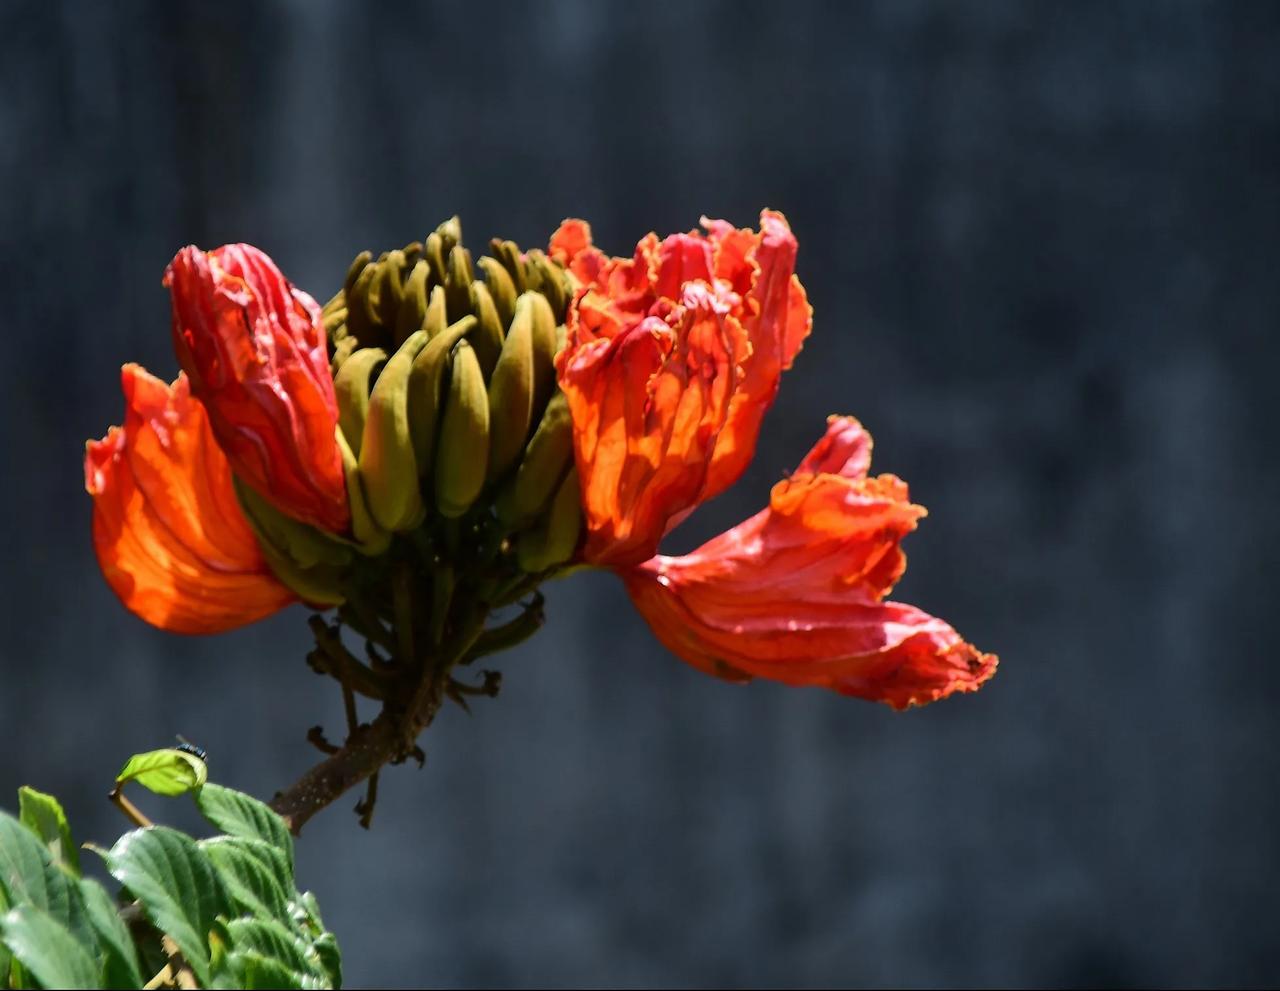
x=236, y=814
x=120, y=963
x=166, y=772
x=249, y=874
x=43, y=815
x=47, y=949
x=179, y=889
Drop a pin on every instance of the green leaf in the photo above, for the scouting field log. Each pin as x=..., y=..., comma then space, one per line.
x=48, y=949
x=28, y=875
x=42, y=814
x=6, y=958
x=257, y=971
x=251, y=871
x=236, y=814
x=166, y=772
x=330, y=957
x=276, y=943
x=179, y=889
x=120, y=959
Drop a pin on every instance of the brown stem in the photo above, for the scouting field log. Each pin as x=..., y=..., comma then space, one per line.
x=392, y=736
x=131, y=811
x=368, y=749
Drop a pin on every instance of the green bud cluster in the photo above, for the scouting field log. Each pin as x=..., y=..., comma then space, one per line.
x=456, y=440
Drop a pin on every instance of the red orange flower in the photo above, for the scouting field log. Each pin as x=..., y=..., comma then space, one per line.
x=168, y=531
x=672, y=358
x=796, y=592
x=254, y=349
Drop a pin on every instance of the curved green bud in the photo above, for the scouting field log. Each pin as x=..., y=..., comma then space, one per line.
x=458, y=280
x=386, y=459
x=511, y=394
x=426, y=390
x=370, y=539
x=342, y=350
x=552, y=283
x=299, y=542
x=546, y=459
x=351, y=385
x=390, y=290
x=413, y=307
x=319, y=586
x=358, y=265
x=362, y=316
x=437, y=316
x=508, y=252
x=555, y=541
x=500, y=287
x=450, y=233
x=544, y=351
x=334, y=322
x=433, y=250
x=488, y=338
x=464, y=436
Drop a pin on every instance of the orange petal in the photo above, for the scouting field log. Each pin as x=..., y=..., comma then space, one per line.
x=657, y=433
x=254, y=349
x=168, y=530
x=796, y=593
x=779, y=323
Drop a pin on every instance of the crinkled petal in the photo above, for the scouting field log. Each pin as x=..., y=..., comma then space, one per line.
x=646, y=418
x=731, y=317
x=167, y=528
x=796, y=593
x=254, y=350
x=780, y=320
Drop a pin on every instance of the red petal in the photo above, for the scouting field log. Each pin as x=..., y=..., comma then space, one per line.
x=655, y=438
x=254, y=349
x=168, y=531
x=795, y=593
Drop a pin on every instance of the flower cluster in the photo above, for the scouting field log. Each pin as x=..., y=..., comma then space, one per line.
x=470, y=435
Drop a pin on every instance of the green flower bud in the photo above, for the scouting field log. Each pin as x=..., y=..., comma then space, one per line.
x=386, y=459
x=511, y=393
x=464, y=436
x=351, y=386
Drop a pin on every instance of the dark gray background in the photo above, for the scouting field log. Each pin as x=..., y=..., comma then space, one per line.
x=1041, y=241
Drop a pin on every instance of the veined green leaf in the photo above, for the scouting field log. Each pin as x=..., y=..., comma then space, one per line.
x=166, y=772
x=120, y=959
x=177, y=885
x=6, y=958
x=275, y=942
x=254, y=970
x=43, y=815
x=28, y=875
x=236, y=814
x=330, y=957
x=47, y=949
x=252, y=872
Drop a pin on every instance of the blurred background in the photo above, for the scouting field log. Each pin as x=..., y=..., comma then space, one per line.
x=1041, y=242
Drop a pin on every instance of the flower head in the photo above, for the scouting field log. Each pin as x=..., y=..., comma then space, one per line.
x=672, y=358
x=168, y=531
x=254, y=350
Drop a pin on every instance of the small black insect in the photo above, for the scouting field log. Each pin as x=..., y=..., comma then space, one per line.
x=191, y=748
